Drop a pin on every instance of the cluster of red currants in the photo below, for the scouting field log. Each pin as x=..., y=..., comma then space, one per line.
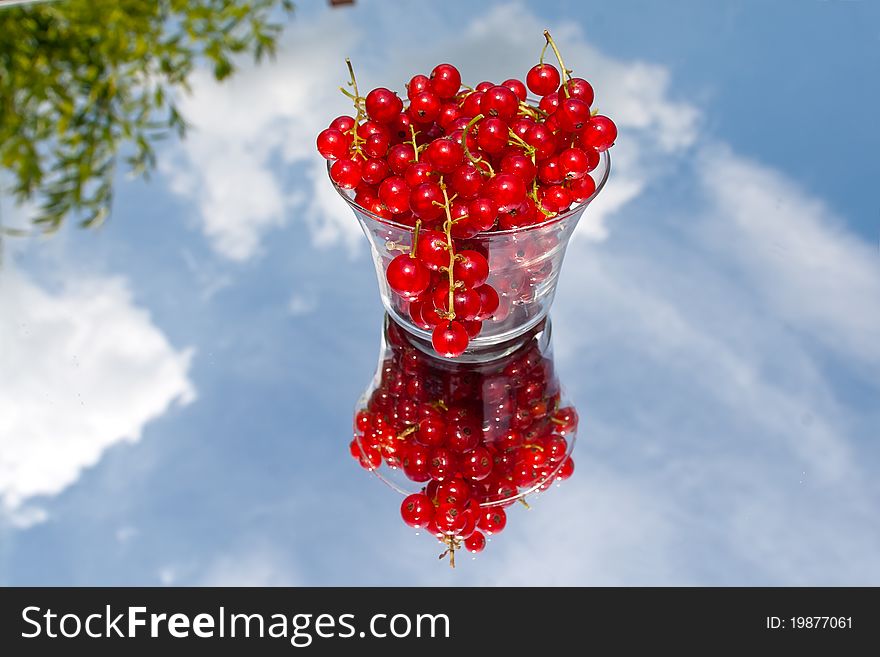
x=479, y=437
x=456, y=162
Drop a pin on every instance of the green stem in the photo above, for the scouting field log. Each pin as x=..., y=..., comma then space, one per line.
x=415, y=242
x=356, y=139
x=565, y=71
x=447, y=228
x=415, y=146
x=476, y=160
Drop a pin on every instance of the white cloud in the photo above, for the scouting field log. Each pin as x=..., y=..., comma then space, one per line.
x=796, y=255
x=263, y=114
x=273, y=113
x=84, y=369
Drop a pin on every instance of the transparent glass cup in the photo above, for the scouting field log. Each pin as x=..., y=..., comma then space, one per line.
x=424, y=419
x=524, y=266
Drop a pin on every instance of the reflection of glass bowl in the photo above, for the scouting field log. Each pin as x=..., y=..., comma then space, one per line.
x=524, y=265
x=503, y=425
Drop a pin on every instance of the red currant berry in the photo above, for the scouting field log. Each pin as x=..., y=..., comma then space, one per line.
x=555, y=447
x=600, y=133
x=453, y=491
x=483, y=212
x=431, y=432
x=520, y=126
x=519, y=165
x=510, y=439
x=472, y=326
x=346, y=173
x=432, y=249
x=470, y=514
x=492, y=520
x=524, y=474
x=442, y=464
x=450, y=339
x=417, y=173
x=417, y=510
x=549, y=103
x=400, y=156
x=471, y=268
x=342, y=123
x=394, y=193
x=407, y=276
x=423, y=314
x=477, y=463
x=573, y=163
x=424, y=107
x=522, y=215
x=566, y=470
x=415, y=462
x=424, y=200
x=465, y=302
x=363, y=421
x=374, y=171
x=463, y=434
x=376, y=144
x=556, y=198
x=399, y=128
x=542, y=79
x=501, y=102
x=445, y=80
x=450, y=519
x=573, y=114
x=549, y=172
x=506, y=190
x=580, y=88
x=333, y=144
x=449, y=112
x=517, y=87
x=475, y=543
x=566, y=420
x=370, y=127
x=533, y=456
x=369, y=457
x=542, y=139
x=582, y=188
x=383, y=105
x=365, y=194
x=416, y=85
x=472, y=104
x=492, y=134
x=466, y=181
x=488, y=301
x=444, y=155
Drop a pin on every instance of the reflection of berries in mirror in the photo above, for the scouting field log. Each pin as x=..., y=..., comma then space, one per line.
x=453, y=163
x=464, y=441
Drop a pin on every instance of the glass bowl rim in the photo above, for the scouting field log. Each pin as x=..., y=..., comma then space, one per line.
x=574, y=211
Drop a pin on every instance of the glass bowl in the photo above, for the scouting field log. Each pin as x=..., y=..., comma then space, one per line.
x=503, y=427
x=524, y=266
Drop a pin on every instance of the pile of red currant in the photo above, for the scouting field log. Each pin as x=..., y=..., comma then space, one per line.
x=455, y=162
x=478, y=437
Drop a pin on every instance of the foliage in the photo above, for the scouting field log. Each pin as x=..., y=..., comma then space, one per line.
x=82, y=81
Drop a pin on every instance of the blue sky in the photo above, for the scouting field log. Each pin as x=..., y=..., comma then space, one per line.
x=177, y=387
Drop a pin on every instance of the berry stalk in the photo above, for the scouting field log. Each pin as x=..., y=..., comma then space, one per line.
x=447, y=228
x=356, y=139
x=565, y=72
x=476, y=160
